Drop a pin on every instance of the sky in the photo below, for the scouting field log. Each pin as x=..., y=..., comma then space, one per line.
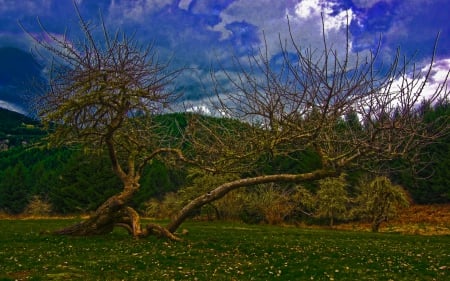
x=203, y=34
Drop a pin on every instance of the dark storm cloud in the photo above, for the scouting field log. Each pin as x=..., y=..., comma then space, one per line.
x=199, y=33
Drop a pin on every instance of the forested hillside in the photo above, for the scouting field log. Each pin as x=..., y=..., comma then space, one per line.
x=67, y=178
x=75, y=182
x=432, y=181
x=17, y=129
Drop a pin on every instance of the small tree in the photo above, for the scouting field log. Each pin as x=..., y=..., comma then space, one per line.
x=332, y=198
x=268, y=203
x=379, y=200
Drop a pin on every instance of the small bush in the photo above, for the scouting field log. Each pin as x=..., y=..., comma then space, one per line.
x=163, y=209
x=332, y=198
x=272, y=203
x=37, y=206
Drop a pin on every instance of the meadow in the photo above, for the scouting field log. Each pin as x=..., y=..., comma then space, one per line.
x=220, y=251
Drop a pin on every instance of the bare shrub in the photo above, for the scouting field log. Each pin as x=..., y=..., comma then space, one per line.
x=38, y=206
x=165, y=208
x=231, y=206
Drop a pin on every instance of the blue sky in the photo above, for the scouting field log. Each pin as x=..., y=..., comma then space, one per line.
x=201, y=33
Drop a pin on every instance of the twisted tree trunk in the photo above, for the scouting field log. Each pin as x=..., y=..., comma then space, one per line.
x=112, y=212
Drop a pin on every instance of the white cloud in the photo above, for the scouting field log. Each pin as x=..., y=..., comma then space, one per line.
x=208, y=106
x=184, y=4
x=305, y=20
x=201, y=109
x=308, y=8
x=12, y=107
x=268, y=15
x=339, y=21
x=409, y=91
x=439, y=75
x=313, y=9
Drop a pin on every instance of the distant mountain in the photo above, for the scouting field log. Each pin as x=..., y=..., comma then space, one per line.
x=17, y=129
x=18, y=70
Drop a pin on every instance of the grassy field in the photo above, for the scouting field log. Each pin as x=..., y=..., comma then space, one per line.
x=220, y=251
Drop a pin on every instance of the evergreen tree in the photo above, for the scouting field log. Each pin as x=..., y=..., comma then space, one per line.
x=14, y=190
x=83, y=184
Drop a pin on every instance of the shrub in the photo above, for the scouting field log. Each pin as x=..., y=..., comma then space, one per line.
x=165, y=208
x=37, y=206
x=332, y=198
x=231, y=206
x=273, y=204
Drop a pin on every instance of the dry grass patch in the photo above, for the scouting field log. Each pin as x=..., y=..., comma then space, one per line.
x=416, y=219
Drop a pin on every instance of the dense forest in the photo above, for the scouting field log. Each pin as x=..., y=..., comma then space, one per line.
x=75, y=182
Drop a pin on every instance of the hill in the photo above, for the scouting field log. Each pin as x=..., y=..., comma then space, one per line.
x=75, y=182
x=17, y=129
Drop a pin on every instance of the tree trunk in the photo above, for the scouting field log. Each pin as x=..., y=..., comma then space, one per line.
x=376, y=223
x=113, y=212
x=223, y=189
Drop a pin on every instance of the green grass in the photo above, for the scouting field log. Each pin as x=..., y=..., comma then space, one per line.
x=220, y=251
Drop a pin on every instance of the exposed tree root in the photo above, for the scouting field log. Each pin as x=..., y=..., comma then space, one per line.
x=131, y=222
x=129, y=219
x=126, y=217
x=154, y=229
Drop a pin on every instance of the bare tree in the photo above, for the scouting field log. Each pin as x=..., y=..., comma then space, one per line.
x=352, y=110
x=106, y=95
